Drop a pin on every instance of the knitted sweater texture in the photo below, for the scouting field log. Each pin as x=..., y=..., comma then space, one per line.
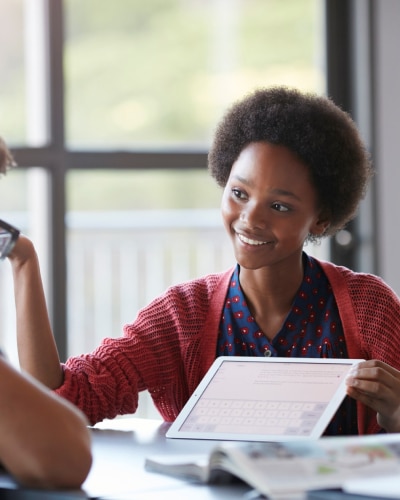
x=171, y=344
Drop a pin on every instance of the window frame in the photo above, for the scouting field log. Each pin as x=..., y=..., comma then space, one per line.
x=57, y=160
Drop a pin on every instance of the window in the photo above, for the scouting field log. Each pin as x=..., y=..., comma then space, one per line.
x=110, y=108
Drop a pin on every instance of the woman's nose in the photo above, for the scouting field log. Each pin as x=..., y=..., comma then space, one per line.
x=254, y=216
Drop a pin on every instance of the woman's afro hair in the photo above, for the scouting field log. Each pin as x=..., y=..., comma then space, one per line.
x=322, y=135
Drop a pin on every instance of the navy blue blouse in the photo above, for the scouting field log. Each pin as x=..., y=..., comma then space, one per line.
x=312, y=329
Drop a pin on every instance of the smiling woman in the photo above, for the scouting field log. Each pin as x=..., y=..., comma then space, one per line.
x=276, y=299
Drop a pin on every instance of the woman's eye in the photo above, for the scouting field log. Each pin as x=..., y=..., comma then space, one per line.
x=238, y=194
x=279, y=207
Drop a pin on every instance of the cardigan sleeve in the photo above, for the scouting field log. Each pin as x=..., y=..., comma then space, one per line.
x=162, y=350
x=377, y=310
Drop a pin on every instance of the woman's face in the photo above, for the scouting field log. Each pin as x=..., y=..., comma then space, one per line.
x=269, y=206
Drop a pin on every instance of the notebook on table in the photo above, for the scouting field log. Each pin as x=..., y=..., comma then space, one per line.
x=264, y=399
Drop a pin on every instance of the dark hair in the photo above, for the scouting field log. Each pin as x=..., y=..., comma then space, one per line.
x=312, y=127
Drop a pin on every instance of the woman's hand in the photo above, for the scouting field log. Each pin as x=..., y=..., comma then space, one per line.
x=377, y=385
x=22, y=252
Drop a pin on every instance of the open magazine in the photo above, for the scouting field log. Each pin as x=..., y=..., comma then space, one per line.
x=287, y=470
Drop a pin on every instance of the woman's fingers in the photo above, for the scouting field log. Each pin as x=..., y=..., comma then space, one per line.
x=377, y=385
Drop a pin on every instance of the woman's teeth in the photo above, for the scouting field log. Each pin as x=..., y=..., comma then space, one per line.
x=249, y=241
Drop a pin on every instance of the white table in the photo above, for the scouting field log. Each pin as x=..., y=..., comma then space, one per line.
x=120, y=447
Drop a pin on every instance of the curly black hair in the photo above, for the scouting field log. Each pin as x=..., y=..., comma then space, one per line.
x=314, y=128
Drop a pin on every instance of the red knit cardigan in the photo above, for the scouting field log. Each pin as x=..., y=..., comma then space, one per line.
x=172, y=342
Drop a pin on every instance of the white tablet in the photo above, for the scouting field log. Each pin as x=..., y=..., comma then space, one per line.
x=264, y=399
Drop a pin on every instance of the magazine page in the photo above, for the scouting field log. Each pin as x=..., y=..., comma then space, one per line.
x=288, y=470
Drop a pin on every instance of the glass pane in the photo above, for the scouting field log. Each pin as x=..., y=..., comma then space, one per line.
x=12, y=71
x=104, y=190
x=23, y=69
x=130, y=236
x=160, y=73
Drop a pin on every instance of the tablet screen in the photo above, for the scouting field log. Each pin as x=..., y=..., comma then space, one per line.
x=264, y=399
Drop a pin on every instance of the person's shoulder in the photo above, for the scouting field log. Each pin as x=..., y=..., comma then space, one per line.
x=207, y=283
x=334, y=269
x=197, y=296
x=354, y=280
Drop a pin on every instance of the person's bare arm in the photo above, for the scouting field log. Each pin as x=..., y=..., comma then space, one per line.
x=44, y=440
x=37, y=349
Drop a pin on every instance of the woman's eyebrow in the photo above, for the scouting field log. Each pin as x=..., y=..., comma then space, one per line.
x=276, y=191
x=285, y=192
x=243, y=180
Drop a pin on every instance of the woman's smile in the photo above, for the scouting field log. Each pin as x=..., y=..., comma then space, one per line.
x=250, y=241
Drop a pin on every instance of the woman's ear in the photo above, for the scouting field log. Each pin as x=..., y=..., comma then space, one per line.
x=320, y=226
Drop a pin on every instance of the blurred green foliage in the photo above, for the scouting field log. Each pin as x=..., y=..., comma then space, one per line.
x=156, y=73
x=141, y=190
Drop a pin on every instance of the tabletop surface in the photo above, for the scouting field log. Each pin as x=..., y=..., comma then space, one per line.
x=120, y=448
